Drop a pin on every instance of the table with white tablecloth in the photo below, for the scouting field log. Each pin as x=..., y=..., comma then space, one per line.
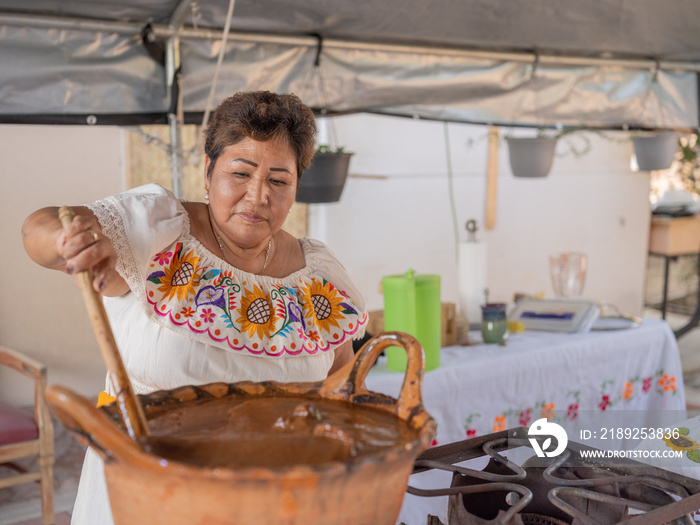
x=629, y=377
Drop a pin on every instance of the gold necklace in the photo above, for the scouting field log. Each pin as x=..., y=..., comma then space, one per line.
x=267, y=251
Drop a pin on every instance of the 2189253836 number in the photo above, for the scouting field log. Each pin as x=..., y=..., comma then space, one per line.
x=631, y=433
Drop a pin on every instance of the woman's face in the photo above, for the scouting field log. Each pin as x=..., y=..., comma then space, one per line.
x=251, y=189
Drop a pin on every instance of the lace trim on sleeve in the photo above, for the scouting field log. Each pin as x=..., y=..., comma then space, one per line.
x=112, y=224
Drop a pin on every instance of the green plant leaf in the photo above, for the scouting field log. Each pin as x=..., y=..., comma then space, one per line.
x=325, y=148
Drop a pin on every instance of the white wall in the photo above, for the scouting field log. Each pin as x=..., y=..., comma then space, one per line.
x=401, y=218
x=41, y=311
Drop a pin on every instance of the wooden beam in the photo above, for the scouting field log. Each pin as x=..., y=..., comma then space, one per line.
x=492, y=179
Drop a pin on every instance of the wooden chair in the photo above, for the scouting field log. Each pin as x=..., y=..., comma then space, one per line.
x=25, y=436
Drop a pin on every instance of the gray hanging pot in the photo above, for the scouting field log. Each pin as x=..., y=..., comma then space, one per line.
x=325, y=179
x=531, y=156
x=655, y=152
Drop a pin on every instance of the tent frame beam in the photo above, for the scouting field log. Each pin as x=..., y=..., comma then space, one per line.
x=172, y=74
x=169, y=31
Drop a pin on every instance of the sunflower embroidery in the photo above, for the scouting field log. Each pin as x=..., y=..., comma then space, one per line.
x=323, y=304
x=257, y=315
x=180, y=277
x=187, y=290
x=679, y=441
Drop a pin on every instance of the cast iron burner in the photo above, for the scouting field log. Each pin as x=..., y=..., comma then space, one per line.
x=555, y=491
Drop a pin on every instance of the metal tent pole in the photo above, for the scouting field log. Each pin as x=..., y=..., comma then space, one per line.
x=172, y=65
x=172, y=75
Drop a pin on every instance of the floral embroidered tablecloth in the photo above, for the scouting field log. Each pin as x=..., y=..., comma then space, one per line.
x=622, y=377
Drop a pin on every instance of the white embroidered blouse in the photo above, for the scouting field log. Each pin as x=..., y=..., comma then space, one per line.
x=191, y=318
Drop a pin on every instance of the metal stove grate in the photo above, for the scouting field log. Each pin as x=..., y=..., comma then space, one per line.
x=554, y=491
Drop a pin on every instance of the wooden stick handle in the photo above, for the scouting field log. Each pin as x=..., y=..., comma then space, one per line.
x=129, y=406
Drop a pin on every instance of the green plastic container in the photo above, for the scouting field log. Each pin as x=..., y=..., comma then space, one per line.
x=412, y=305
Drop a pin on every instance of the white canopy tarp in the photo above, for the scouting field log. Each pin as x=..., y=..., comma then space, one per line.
x=595, y=63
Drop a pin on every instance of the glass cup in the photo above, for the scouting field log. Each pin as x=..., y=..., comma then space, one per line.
x=494, y=323
x=568, y=272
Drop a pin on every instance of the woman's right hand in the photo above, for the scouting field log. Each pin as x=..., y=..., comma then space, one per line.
x=80, y=247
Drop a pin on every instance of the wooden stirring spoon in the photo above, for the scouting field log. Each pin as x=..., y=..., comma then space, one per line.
x=129, y=406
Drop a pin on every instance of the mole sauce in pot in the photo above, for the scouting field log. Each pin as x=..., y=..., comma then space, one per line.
x=272, y=432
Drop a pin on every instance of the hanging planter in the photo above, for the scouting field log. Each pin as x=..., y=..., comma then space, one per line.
x=325, y=179
x=531, y=157
x=655, y=152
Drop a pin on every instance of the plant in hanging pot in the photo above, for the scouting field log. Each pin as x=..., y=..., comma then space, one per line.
x=324, y=180
x=655, y=151
x=531, y=157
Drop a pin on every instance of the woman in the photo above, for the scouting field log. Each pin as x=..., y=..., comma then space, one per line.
x=197, y=292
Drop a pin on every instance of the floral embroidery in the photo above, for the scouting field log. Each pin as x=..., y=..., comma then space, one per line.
x=257, y=315
x=274, y=319
x=525, y=417
x=187, y=312
x=163, y=258
x=611, y=394
x=210, y=295
x=499, y=423
x=207, y=315
x=667, y=383
x=628, y=391
x=470, y=432
x=680, y=441
x=548, y=411
x=179, y=278
x=323, y=304
x=572, y=410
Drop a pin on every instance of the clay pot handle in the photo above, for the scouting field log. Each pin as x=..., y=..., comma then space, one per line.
x=129, y=406
x=91, y=426
x=350, y=379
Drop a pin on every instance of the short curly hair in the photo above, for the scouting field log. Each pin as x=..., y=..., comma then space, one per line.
x=261, y=116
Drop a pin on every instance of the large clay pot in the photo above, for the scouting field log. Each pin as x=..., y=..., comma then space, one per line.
x=145, y=488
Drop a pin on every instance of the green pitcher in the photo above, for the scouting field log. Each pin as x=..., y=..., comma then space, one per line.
x=412, y=305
